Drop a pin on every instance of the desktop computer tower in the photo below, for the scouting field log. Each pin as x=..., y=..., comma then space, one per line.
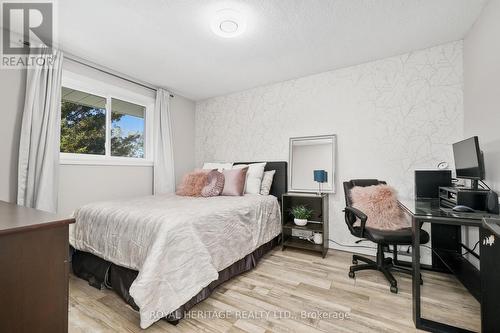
x=450, y=197
x=427, y=184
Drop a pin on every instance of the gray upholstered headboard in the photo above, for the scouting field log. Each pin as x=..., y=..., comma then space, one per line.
x=280, y=181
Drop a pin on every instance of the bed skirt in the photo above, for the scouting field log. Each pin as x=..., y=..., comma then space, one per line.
x=104, y=274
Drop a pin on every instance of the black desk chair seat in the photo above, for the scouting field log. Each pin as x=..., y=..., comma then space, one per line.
x=383, y=238
x=394, y=237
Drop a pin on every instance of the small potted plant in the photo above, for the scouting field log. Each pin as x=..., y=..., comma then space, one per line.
x=301, y=214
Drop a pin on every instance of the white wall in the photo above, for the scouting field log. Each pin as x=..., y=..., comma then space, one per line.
x=482, y=87
x=482, y=93
x=81, y=184
x=183, y=116
x=391, y=116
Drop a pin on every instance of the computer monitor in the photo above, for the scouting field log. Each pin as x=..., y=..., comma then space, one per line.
x=469, y=162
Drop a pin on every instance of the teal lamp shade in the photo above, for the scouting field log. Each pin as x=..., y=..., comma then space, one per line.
x=320, y=176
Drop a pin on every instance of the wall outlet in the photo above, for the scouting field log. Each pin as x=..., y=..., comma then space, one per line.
x=402, y=250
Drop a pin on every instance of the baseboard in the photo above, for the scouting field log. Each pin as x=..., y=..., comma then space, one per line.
x=402, y=256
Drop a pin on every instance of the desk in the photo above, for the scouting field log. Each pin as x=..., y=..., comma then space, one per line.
x=34, y=270
x=428, y=211
x=490, y=274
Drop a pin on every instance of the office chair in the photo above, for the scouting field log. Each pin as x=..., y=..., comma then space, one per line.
x=383, y=238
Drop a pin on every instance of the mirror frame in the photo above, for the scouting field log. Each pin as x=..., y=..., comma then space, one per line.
x=333, y=137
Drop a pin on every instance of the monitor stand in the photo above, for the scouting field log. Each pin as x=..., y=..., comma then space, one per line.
x=474, y=187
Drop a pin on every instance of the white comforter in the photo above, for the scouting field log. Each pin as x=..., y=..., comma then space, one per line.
x=178, y=244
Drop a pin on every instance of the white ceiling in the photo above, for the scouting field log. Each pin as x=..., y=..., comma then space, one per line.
x=169, y=43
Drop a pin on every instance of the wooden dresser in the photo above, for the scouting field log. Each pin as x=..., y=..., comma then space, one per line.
x=33, y=270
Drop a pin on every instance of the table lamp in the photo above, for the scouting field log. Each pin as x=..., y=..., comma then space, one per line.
x=320, y=176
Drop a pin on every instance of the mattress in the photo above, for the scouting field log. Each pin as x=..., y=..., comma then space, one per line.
x=178, y=244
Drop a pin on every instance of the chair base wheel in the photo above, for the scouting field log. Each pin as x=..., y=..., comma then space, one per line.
x=351, y=275
x=394, y=289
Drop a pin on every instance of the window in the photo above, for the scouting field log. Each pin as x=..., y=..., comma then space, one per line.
x=127, y=129
x=83, y=123
x=104, y=124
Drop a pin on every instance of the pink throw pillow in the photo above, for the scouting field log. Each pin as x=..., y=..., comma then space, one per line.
x=380, y=204
x=193, y=183
x=215, y=184
x=234, y=181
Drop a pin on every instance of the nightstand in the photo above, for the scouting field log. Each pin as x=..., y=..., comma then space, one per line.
x=295, y=236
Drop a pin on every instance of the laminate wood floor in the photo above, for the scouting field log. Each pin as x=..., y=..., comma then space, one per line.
x=274, y=296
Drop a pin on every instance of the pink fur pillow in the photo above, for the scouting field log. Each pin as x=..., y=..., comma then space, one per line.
x=193, y=183
x=380, y=204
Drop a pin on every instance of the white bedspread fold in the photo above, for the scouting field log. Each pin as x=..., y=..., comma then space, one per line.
x=178, y=244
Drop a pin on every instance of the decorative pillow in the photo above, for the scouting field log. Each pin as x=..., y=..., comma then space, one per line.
x=193, y=183
x=254, y=176
x=218, y=166
x=215, y=184
x=267, y=181
x=380, y=204
x=234, y=181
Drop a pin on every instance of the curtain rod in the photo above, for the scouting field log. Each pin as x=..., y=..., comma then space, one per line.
x=112, y=73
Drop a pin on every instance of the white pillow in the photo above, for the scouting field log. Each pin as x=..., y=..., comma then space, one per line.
x=254, y=176
x=218, y=166
x=267, y=181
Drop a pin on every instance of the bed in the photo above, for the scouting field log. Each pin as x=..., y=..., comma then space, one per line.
x=164, y=254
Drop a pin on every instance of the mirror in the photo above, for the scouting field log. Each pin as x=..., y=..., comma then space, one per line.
x=308, y=154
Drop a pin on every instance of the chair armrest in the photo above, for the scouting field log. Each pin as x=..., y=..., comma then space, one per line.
x=360, y=215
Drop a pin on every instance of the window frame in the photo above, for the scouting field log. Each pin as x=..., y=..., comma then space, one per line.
x=105, y=90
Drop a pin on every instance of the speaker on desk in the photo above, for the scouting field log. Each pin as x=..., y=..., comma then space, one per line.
x=427, y=182
x=492, y=204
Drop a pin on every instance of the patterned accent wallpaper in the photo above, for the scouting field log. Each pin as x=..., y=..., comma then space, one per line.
x=391, y=116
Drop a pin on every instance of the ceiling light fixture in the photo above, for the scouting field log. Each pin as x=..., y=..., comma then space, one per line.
x=228, y=26
x=228, y=23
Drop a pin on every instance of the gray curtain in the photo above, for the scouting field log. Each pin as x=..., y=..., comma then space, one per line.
x=164, y=176
x=38, y=169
